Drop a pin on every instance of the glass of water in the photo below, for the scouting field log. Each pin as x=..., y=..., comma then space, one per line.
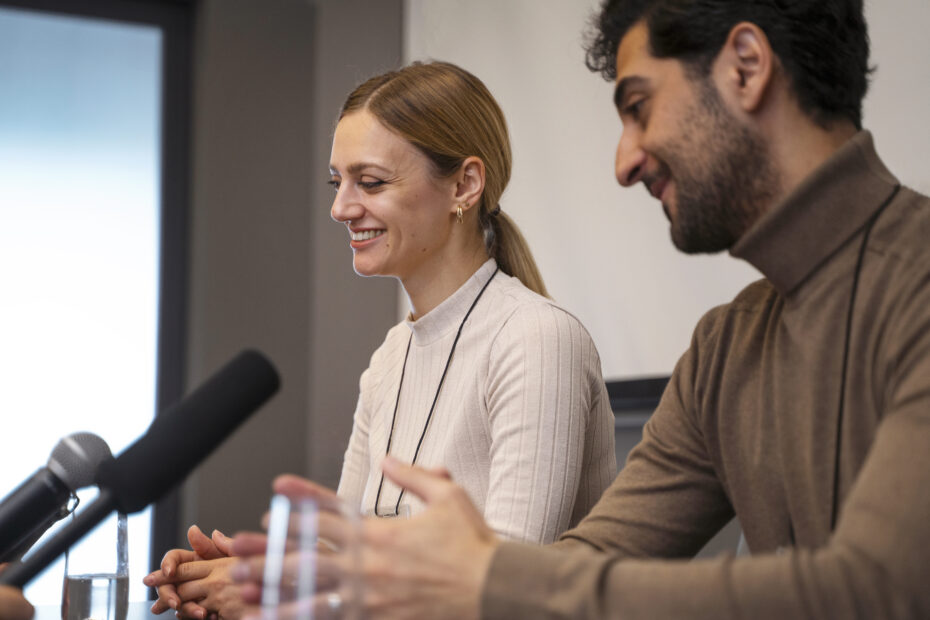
x=311, y=561
x=96, y=585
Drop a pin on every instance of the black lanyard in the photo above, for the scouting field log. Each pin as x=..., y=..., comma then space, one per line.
x=834, y=515
x=435, y=398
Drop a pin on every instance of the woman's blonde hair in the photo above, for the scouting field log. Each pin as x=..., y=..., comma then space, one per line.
x=449, y=115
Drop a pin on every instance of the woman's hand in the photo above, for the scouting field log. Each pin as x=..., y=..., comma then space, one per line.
x=205, y=587
x=171, y=573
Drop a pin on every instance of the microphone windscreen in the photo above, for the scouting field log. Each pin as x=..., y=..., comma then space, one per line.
x=75, y=459
x=182, y=436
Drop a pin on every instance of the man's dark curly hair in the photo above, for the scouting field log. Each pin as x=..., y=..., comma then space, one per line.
x=823, y=45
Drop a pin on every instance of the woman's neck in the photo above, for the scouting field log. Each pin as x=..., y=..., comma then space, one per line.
x=430, y=287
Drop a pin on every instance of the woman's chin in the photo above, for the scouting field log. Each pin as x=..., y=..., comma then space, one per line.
x=365, y=270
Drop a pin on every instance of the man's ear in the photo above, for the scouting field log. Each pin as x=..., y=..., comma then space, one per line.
x=469, y=182
x=745, y=66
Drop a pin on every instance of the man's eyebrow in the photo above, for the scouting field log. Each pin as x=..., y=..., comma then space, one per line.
x=623, y=85
x=358, y=167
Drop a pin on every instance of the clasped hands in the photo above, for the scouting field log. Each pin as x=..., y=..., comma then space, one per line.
x=432, y=565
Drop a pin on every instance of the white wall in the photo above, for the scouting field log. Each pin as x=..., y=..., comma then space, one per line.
x=605, y=252
x=898, y=103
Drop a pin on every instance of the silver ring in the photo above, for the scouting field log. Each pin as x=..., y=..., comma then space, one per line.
x=334, y=601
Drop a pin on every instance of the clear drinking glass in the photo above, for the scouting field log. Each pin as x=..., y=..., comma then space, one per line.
x=96, y=584
x=311, y=561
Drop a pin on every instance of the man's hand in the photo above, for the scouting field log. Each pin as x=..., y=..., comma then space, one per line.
x=430, y=566
x=434, y=564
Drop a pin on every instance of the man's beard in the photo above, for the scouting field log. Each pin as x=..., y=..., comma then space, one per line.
x=724, y=177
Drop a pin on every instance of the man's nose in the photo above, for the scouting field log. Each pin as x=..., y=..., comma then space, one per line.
x=631, y=159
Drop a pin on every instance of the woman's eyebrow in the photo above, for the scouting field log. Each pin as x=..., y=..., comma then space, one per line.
x=364, y=165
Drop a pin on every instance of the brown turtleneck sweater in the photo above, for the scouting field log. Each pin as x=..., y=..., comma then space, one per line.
x=748, y=425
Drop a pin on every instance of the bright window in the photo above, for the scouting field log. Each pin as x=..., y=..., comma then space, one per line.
x=79, y=242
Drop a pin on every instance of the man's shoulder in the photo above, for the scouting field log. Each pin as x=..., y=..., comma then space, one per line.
x=748, y=312
x=756, y=297
x=902, y=234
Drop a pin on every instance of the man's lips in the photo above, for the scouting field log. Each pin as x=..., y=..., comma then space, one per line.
x=657, y=187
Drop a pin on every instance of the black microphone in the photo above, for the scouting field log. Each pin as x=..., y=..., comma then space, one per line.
x=175, y=443
x=43, y=498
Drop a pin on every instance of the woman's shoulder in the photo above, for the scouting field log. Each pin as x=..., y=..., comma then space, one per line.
x=524, y=309
x=394, y=341
x=535, y=331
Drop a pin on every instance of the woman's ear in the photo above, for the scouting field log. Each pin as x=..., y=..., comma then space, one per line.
x=745, y=66
x=469, y=183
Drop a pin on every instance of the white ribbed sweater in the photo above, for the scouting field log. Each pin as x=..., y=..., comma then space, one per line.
x=523, y=422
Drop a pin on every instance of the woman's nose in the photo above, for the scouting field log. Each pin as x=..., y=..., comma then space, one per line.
x=345, y=209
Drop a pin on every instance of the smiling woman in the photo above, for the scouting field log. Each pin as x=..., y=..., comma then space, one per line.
x=488, y=378
x=437, y=125
x=503, y=388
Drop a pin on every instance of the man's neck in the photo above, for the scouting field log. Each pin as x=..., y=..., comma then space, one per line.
x=800, y=146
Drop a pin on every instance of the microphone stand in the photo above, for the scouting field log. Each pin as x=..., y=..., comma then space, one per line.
x=20, y=573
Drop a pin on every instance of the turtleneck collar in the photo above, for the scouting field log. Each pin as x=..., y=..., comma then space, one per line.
x=448, y=315
x=832, y=204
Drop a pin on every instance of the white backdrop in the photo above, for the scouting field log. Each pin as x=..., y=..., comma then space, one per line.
x=605, y=251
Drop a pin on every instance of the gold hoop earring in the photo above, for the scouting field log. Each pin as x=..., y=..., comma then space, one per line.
x=458, y=214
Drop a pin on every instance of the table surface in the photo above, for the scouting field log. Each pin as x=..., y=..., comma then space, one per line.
x=138, y=610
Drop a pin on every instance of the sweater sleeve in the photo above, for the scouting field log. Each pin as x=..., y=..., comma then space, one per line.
x=356, y=462
x=539, y=397
x=667, y=500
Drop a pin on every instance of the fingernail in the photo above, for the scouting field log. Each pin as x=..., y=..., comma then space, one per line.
x=148, y=580
x=167, y=571
x=173, y=604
